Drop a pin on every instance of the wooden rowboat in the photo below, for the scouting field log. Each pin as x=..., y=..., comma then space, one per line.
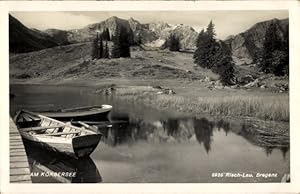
x=55, y=135
x=87, y=113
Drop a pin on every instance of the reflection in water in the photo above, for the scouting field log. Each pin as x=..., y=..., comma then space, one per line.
x=269, y=141
x=45, y=167
x=221, y=124
x=269, y=150
x=284, y=151
x=204, y=132
x=171, y=126
x=178, y=130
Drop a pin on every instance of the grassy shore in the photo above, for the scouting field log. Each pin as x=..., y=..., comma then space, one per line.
x=72, y=65
x=272, y=107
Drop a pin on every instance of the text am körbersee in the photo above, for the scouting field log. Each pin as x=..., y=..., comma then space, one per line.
x=53, y=174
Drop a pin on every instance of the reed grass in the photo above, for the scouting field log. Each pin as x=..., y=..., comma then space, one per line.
x=271, y=107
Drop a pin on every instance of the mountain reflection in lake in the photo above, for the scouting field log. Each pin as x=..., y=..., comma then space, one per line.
x=177, y=130
x=148, y=145
x=171, y=150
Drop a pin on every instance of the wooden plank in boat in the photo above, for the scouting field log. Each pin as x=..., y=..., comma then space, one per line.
x=40, y=128
x=27, y=117
x=101, y=122
x=57, y=134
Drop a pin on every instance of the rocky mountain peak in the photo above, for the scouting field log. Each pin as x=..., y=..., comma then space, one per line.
x=245, y=44
x=159, y=26
x=131, y=19
x=134, y=24
x=23, y=39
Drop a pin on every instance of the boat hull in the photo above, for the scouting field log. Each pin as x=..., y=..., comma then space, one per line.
x=85, y=145
x=91, y=113
x=103, y=116
x=78, y=147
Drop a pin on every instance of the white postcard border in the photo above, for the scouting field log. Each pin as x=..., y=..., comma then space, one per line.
x=292, y=6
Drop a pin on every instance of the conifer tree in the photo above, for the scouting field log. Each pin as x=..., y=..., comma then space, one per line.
x=173, y=42
x=105, y=34
x=206, y=47
x=285, y=48
x=125, y=42
x=105, y=51
x=275, y=52
x=200, y=55
x=214, y=55
x=100, y=47
x=115, y=52
x=121, y=43
x=223, y=64
x=95, y=48
x=211, y=44
x=211, y=31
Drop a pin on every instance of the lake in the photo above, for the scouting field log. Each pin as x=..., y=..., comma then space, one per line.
x=149, y=145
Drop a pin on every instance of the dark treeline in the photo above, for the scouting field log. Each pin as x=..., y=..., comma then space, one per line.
x=120, y=48
x=214, y=55
x=105, y=35
x=274, y=56
x=98, y=50
x=121, y=43
x=173, y=42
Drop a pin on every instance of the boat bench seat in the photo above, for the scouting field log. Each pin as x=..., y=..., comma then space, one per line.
x=62, y=133
x=40, y=128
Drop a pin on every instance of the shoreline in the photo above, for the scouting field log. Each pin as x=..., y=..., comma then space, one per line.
x=219, y=104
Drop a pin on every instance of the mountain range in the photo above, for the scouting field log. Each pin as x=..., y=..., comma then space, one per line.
x=243, y=45
x=23, y=39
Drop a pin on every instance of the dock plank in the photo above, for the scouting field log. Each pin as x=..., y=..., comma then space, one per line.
x=18, y=154
x=17, y=147
x=20, y=171
x=20, y=179
x=19, y=166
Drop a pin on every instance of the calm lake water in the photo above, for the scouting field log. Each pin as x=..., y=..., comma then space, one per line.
x=151, y=145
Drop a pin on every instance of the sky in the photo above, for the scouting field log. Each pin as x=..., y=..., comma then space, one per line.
x=226, y=22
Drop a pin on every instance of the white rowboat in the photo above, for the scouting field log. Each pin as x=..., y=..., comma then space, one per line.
x=56, y=135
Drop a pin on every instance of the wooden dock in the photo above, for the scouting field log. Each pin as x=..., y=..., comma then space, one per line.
x=19, y=167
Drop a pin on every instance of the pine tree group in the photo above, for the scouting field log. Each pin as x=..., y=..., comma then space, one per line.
x=223, y=63
x=105, y=51
x=173, y=42
x=275, y=52
x=214, y=55
x=98, y=51
x=121, y=43
x=105, y=34
x=206, y=47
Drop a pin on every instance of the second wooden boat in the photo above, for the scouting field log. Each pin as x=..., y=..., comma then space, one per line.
x=56, y=135
x=87, y=113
